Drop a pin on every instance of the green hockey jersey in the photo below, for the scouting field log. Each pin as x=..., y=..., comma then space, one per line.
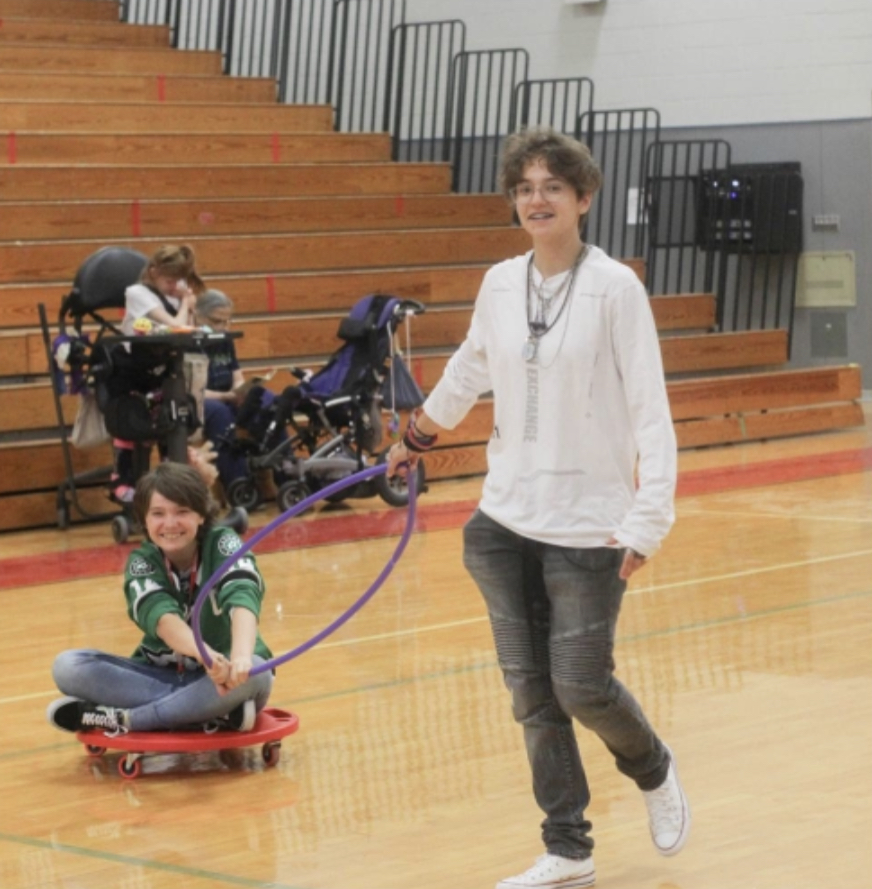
x=154, y=589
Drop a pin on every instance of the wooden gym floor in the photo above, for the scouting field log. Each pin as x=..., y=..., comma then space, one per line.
x=746, y=639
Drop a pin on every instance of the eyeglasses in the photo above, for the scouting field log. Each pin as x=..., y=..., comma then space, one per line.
x=553, y=190
x=218, y=322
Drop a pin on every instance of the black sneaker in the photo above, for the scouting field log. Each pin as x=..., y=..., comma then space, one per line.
x=73, y=715
x=243, y=717
x=64, y=714
x=239, y=719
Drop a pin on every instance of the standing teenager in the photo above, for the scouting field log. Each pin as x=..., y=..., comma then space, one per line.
x=578, y=494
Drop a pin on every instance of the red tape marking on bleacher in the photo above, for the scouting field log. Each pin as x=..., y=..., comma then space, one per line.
x=270, y=293
x=11, y=148
x=161, y=87
x=327, y=529
x=135, y=218
x=276, y=148
x=399, y=205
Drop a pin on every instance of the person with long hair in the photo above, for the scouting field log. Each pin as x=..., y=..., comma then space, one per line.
x=166, y=295
x=167, y=290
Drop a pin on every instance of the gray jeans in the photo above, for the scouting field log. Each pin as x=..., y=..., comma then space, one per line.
x=554, y=612
x=157, y=697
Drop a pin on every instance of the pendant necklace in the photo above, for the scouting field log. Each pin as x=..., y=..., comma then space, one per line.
x=537, y=319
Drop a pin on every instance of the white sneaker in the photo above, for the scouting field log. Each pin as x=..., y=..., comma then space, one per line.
x=553, y=872
x=668, y=813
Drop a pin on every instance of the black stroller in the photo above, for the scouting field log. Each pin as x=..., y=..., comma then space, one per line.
x=139, y=392
x=329, y=425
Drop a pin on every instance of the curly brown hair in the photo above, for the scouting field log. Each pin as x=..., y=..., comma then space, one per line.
x=565, y=157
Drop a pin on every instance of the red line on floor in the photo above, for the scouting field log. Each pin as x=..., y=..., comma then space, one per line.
x=774, y=472
x=355, y=526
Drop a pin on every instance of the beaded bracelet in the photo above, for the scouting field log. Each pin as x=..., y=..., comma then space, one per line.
x=416, y=441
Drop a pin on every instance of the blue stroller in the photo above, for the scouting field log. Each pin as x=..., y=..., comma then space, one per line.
x=329, y=424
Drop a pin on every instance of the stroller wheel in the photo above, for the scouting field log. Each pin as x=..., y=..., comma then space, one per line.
x=395, y=491
x=244, y=492
x=290, y=494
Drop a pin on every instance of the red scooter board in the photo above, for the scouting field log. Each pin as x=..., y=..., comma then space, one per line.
x=271, y=726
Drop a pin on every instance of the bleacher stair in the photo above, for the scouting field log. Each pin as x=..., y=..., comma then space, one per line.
x=112, y=137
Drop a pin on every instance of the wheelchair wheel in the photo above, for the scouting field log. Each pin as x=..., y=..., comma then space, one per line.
x=395, y=491
x=290, y=494
x=244, y=492
x=120, y=529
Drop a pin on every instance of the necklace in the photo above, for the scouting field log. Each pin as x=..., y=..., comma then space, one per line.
x=537, y=318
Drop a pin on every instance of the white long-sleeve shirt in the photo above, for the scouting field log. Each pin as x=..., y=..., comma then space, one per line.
x=139, y=300
x=562, y=458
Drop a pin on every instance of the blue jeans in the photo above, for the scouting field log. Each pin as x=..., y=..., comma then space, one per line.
x=554, y=612
x=218, y=417
x=158, y=698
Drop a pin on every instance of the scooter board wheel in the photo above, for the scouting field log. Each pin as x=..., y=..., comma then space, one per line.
x=271, y=726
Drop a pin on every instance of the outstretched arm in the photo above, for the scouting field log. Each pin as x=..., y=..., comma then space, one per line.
x=421, y=434
x=180, y=638
x=244, y=629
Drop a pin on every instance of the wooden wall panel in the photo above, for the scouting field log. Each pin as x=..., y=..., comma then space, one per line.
x=56, y=220
x=135, y=88
x=216, y=255
x=36, y=148
x=133, y=60
x=96, y=34
x=93, y=10
x=20, y=183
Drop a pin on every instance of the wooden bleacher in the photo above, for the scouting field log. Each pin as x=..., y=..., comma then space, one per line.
x=111, y=137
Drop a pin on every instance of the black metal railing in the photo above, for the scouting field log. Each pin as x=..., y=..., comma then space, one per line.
x=193, y=25
x=557, y=103
x=717, y=227
x=619, y=140
x=676, y=259
x=751, y=216
x=335, y=52
x=671, y=202
x=360, y=62
x=479, y=109
x=422, y=56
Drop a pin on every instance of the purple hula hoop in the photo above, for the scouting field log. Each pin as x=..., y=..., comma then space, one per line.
x=296, y=509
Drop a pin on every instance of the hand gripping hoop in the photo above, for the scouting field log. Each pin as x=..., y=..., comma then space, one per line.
x=295, y=510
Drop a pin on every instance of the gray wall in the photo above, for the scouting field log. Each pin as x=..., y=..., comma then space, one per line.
x=780, y=80
x=836, y=159
x=700, y=62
